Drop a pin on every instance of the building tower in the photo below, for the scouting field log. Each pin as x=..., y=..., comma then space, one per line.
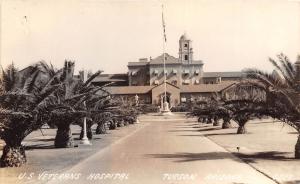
x=185, y=49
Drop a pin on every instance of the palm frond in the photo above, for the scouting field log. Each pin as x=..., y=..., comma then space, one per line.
x=287, y=66
x=266, y=78
x=30, y=83
x=283, y=71
x=91, y=78
x=9, y=78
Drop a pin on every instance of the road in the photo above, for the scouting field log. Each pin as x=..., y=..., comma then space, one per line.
x=165, y=151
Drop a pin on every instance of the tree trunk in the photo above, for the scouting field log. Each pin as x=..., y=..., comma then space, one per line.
x=101, y=128
x=226, y=124
x=132, y=120
x=297, y=148
x=209, y=121
x=63, y=138
x=112, y=125
x=13, y=156
x=241, y=130
x=216, y=122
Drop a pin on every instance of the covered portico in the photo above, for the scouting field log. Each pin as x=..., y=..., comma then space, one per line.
x=173, y=94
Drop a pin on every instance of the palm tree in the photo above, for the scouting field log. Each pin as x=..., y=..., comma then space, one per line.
x=245, y=102
x=73, y=101
x=245, y=110
x=24, y=108
x=102, y=120
x=126, y=112
x=213, y=109
x=283, y=90
x=241, y=103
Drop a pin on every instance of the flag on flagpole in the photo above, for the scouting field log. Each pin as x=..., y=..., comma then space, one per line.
x=163, y=23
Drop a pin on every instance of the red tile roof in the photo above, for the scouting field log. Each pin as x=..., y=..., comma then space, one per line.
x=169, y=60
x=201, y=88
x=111, y=78
x=222, y=74
x=123, y=90
x=206, y=88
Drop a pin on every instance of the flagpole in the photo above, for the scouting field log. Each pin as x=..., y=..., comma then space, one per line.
x=165, y=108
x=165, y=75
x=164, y=54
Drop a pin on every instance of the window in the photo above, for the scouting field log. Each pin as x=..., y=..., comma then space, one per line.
x=185, y=45
x=186, y=57
x=186, y=82
x=134, y=73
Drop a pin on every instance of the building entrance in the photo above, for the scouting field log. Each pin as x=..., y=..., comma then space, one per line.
x=168, y=98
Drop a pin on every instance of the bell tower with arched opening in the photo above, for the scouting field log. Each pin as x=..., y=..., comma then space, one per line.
x=185, y=49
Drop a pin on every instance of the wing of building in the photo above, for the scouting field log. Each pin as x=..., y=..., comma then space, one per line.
x=185, y=78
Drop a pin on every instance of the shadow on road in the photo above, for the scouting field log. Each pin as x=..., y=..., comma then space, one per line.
x=189, y=157
x=269, y=155
x=210, y=134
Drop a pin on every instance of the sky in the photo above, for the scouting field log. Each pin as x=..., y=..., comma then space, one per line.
x=227, y=35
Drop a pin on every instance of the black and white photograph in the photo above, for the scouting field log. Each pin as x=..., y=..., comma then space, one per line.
x=149, y=91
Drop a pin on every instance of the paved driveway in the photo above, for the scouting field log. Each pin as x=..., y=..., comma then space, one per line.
x=161, y=152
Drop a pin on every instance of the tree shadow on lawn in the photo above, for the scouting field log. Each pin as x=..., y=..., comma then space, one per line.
x=292, y=182
x=94, y=138
x=268, y=155
x=39, y=146
x=199, y=130
x=208, y=129
x=41, y=140
x=223, y=133
x=186, y=127
x=191, y=126
x=45, y=146
x=293, y=133
x=187, y=124
x=265, y=122
x=77, y=133
x=189, y=157
x=185, y=130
